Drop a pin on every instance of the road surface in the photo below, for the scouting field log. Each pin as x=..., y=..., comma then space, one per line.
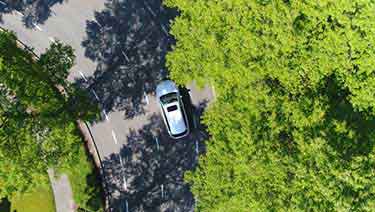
x=120, y=48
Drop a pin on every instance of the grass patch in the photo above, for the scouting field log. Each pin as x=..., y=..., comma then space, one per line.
x=85, y=182
x=39, y=199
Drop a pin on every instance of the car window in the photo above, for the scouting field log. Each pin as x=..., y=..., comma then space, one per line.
x=169, y=98
x=172, y=108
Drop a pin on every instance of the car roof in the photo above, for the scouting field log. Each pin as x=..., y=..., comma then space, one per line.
x=165, y=87
x=175, y=119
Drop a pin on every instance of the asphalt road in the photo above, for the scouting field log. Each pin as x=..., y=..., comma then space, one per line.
x=120, y=48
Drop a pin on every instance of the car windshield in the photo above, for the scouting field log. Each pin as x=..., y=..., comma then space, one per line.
x=169, y=98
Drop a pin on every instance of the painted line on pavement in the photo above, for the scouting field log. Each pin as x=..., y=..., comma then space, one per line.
x=157, y=142
x=37, y=27
x=125, y=184
x=83, y=76
x=196, y=147
x=126, y=57
x=162, y=191
x=97, y=23
x=121, y=162
x=165, y=31
x=96, y=95
x=114, y=136
x=19, y=13
x=195, y=122
x=149, y=9
x=146, y=97
x=126, y=206
x=105, y=114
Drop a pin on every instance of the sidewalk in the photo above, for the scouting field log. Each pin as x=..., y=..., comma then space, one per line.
x=62, y=192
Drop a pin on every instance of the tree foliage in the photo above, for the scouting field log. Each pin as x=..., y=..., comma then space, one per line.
x=37, y=129
x=57, y=61
x=292, y=128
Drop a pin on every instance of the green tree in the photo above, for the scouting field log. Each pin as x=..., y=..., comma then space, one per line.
x=57, y=61
x=292, y=128
x=37, y=127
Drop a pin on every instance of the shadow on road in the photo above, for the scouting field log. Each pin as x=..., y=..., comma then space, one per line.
x=129, y=41
x=34, y=11
x=153, y=172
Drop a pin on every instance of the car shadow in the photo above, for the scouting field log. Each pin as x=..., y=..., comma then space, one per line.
x=34, y=11
x=128, y=40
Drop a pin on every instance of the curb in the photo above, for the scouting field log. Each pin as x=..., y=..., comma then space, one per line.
x=93, y=149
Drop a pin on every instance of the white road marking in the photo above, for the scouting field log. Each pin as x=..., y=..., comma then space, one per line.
x=122, y=164
x=162, y=191
x=51, y=39
x=19, y=13
x=146, y=97
x=157, y=142
x=150, y=10
x=38, y=27
x=126, y=57
x=97, y=23
x=83, y=76
x=105, y=114
x=196, y=147
x=125, y=184
x=126, y=206
x=114, y=136
x=165, y=30
x=195, y=122
x=96, y=95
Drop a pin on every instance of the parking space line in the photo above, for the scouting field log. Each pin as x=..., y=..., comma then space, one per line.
x=195, y=121
x=121, y=162
x=114, y=136
x=157, y=142
x=149, y=9
x=19, y=13
x=83, y=76
x=37, y=27
x=96, y=95
x=162, y=191
x=145, y=97
x=125, y=184
x=97, y=23
x=105, y=114
x=126, y=206
x=165, y=30
x=126, y=57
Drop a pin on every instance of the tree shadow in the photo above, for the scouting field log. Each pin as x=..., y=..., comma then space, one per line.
x=34, y=11
x=4, y=205
x=153, y=166
x=129, y=41
x=359, y=139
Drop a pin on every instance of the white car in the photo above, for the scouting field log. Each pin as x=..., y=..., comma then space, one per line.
x=172, y=109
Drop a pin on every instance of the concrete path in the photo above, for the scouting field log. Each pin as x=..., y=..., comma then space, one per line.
x=62, y=192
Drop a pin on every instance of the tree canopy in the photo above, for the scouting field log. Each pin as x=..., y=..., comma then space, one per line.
x=37, y=128
x=292, y=128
